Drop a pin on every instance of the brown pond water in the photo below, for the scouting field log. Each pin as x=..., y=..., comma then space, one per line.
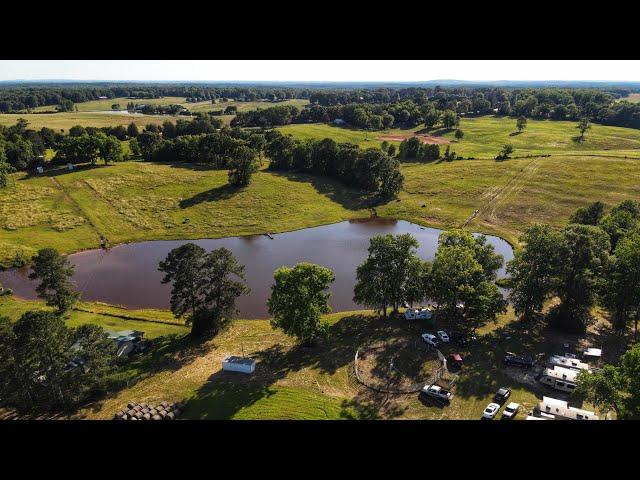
x=128, y=274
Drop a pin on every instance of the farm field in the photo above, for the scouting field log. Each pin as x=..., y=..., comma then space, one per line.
x=485, y=136
x=66, y=120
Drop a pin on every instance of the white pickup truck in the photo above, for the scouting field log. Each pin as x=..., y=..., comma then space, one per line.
x=436, y=391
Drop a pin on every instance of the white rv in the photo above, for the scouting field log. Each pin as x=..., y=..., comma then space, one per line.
x=562, y=411
x=560, y=378
x=420, y=313
x=567, y=362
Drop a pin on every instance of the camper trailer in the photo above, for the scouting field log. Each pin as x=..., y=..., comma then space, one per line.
x=561, y=410
x=127, y=341
x=420, y=313
x=567, y=362
x=560, y=378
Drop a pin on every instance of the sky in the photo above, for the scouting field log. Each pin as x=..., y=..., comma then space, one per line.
x=321, y=70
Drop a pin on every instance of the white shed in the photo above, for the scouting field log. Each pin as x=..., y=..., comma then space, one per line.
x=231, y=363
x=592, y=352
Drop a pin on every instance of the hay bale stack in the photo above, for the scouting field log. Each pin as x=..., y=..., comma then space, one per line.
x=144, y=411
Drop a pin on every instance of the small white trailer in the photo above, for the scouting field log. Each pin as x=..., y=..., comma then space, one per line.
x=232, y=363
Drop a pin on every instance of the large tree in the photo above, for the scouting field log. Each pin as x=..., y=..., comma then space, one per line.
x=54, y=272
x=204, y=286
x=621, y=289
x=583, y=256
x=384, y=278
x=299, y=297
x=589, y=215
x=36, y=353
x=532, y=270
x=5, y=168
x=462, y=280
x=583, y=126
x=615, y=387
x=242, y=166
x=183, y=268
x=622, y=219
x=521, y=123
x=111, y=149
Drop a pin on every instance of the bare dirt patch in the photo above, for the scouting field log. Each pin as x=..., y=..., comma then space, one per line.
x=397, y=365
x=429, y=139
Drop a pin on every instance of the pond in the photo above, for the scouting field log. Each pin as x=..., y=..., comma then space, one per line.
x=128, y=274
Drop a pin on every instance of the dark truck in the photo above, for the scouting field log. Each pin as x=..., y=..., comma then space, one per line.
x=521, y=361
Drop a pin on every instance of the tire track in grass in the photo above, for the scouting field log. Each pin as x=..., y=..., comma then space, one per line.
x=76, y=205
x=507, y=188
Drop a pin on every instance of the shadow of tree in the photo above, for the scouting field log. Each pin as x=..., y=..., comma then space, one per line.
x=223, y=192
x=515, y=134
x=347, y=197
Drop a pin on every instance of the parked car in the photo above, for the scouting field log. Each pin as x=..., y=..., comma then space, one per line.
x=430, y=339
x=519, y=361
x=502, y=395
x=570, y=355
x=490, y=412
x=510, y=411
x=442, y=335
x=436, y=391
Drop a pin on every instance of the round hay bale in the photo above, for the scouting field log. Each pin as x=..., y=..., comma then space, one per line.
x=118, y=415
x=153, y=412
x=138, y=416
x=156, y=417
x=162, y=413
x=145, y=410
x=131, y=412
x=125, y=417
x=146, y=416
x=130, y=405
x=170, y=416
x=133, y=418
x=137, y=408
x=144, y=405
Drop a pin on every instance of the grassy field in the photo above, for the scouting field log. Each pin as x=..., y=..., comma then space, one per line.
x=66, y=120
x=154, y=323
x=293, y=382
x=92, y=113
x=485, y=136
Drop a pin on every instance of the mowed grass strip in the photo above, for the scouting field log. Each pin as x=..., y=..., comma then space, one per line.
x=158, y=323
x=65, y=120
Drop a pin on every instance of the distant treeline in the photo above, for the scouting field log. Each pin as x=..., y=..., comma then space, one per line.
x=13, y=99
x=405, y=105
x=386, y=108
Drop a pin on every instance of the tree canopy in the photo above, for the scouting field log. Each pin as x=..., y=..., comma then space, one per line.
x=298, y=298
